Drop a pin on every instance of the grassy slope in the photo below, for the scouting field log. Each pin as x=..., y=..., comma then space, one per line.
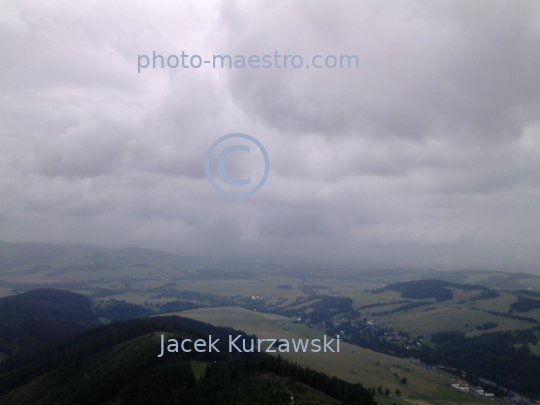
x=352, y=364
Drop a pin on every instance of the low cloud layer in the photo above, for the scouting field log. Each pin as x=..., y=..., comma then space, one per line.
x=426, y=155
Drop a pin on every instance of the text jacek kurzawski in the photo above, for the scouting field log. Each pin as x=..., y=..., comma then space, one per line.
x=237, y=344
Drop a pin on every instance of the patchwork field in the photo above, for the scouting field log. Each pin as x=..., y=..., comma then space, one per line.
x=421, y=322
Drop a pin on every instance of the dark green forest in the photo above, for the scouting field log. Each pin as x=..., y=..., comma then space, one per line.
x=431, y=288
x=38, y=318
x=525, y=304
x=502, y=357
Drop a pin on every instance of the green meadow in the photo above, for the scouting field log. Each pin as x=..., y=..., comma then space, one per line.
x=352, y=363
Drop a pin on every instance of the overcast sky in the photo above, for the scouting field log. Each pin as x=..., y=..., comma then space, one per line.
x=426, y=155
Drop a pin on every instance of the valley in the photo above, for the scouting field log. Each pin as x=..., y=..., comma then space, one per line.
x=383, y=324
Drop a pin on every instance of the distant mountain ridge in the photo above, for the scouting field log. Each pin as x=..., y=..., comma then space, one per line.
x=39, y=261
x=28, y=251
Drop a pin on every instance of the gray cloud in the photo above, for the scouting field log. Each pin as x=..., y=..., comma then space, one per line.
x=426, y=155
x=424, y=68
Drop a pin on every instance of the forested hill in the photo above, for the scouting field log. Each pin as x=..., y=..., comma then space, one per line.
x=432, y=288
x=118, y=364
x=37, y=318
